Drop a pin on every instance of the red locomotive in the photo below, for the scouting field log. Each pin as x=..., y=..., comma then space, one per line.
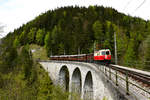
x=103, y=55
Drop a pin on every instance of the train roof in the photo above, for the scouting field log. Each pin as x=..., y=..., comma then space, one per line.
x=69, y=55
x=103, y=50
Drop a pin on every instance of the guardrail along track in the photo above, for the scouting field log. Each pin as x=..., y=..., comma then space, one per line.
x=132, y=80
x=141, y=77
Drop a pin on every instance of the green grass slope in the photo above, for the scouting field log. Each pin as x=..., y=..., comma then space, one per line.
x=38, y=52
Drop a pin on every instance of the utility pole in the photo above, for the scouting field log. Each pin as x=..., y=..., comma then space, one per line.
x=51, y=52
x=78, y=50
x=116, y=62
x=64, y=52
x=94, y=47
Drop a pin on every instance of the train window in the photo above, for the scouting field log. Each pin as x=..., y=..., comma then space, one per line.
x=103, y=52
x=107, y=52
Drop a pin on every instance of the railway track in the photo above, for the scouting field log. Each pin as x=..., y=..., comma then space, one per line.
x=131, y=80
x=144, y=78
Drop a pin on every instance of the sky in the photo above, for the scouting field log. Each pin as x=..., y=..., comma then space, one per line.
x=14, y=13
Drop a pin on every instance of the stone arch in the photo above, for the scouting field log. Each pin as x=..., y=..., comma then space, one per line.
x=76, y=82
x=64, y=78
x=88, y=87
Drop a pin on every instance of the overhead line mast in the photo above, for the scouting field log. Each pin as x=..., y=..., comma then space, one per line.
x=140, y=5
x=116, y=59
x=127, y=4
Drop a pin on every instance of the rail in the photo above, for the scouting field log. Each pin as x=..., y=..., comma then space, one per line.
x=125, y=74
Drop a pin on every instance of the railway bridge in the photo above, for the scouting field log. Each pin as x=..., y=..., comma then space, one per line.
x=94, y=82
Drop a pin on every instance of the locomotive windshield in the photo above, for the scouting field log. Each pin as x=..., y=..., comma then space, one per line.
x=107, y=52
x=103, y=52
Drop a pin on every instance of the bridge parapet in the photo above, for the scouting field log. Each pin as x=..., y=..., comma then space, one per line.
x=132, y=81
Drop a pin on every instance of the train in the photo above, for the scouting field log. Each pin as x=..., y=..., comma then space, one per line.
x=100, y=56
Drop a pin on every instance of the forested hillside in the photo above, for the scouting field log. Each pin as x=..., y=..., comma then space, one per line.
x=22, y=78
x=72, y=29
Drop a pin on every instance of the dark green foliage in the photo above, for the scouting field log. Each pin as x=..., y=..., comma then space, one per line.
x=97, y=28
x=98, y=32
x=23, y=39
x=70, y=30
x=16, y=43
x=130, y=54
x=32, y=35
x=48, y=43
x=144, y=54
x=40, y=36
x=23, y=79
x=1, y=80
x=7, y=57
x=25, y=61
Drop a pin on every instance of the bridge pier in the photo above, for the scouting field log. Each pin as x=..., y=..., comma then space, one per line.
x=64, y=78
x=88, y=87
x=76, y=82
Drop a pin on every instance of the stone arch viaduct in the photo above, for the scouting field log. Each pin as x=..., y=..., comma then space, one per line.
x=84, y=79
x=81, y=78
